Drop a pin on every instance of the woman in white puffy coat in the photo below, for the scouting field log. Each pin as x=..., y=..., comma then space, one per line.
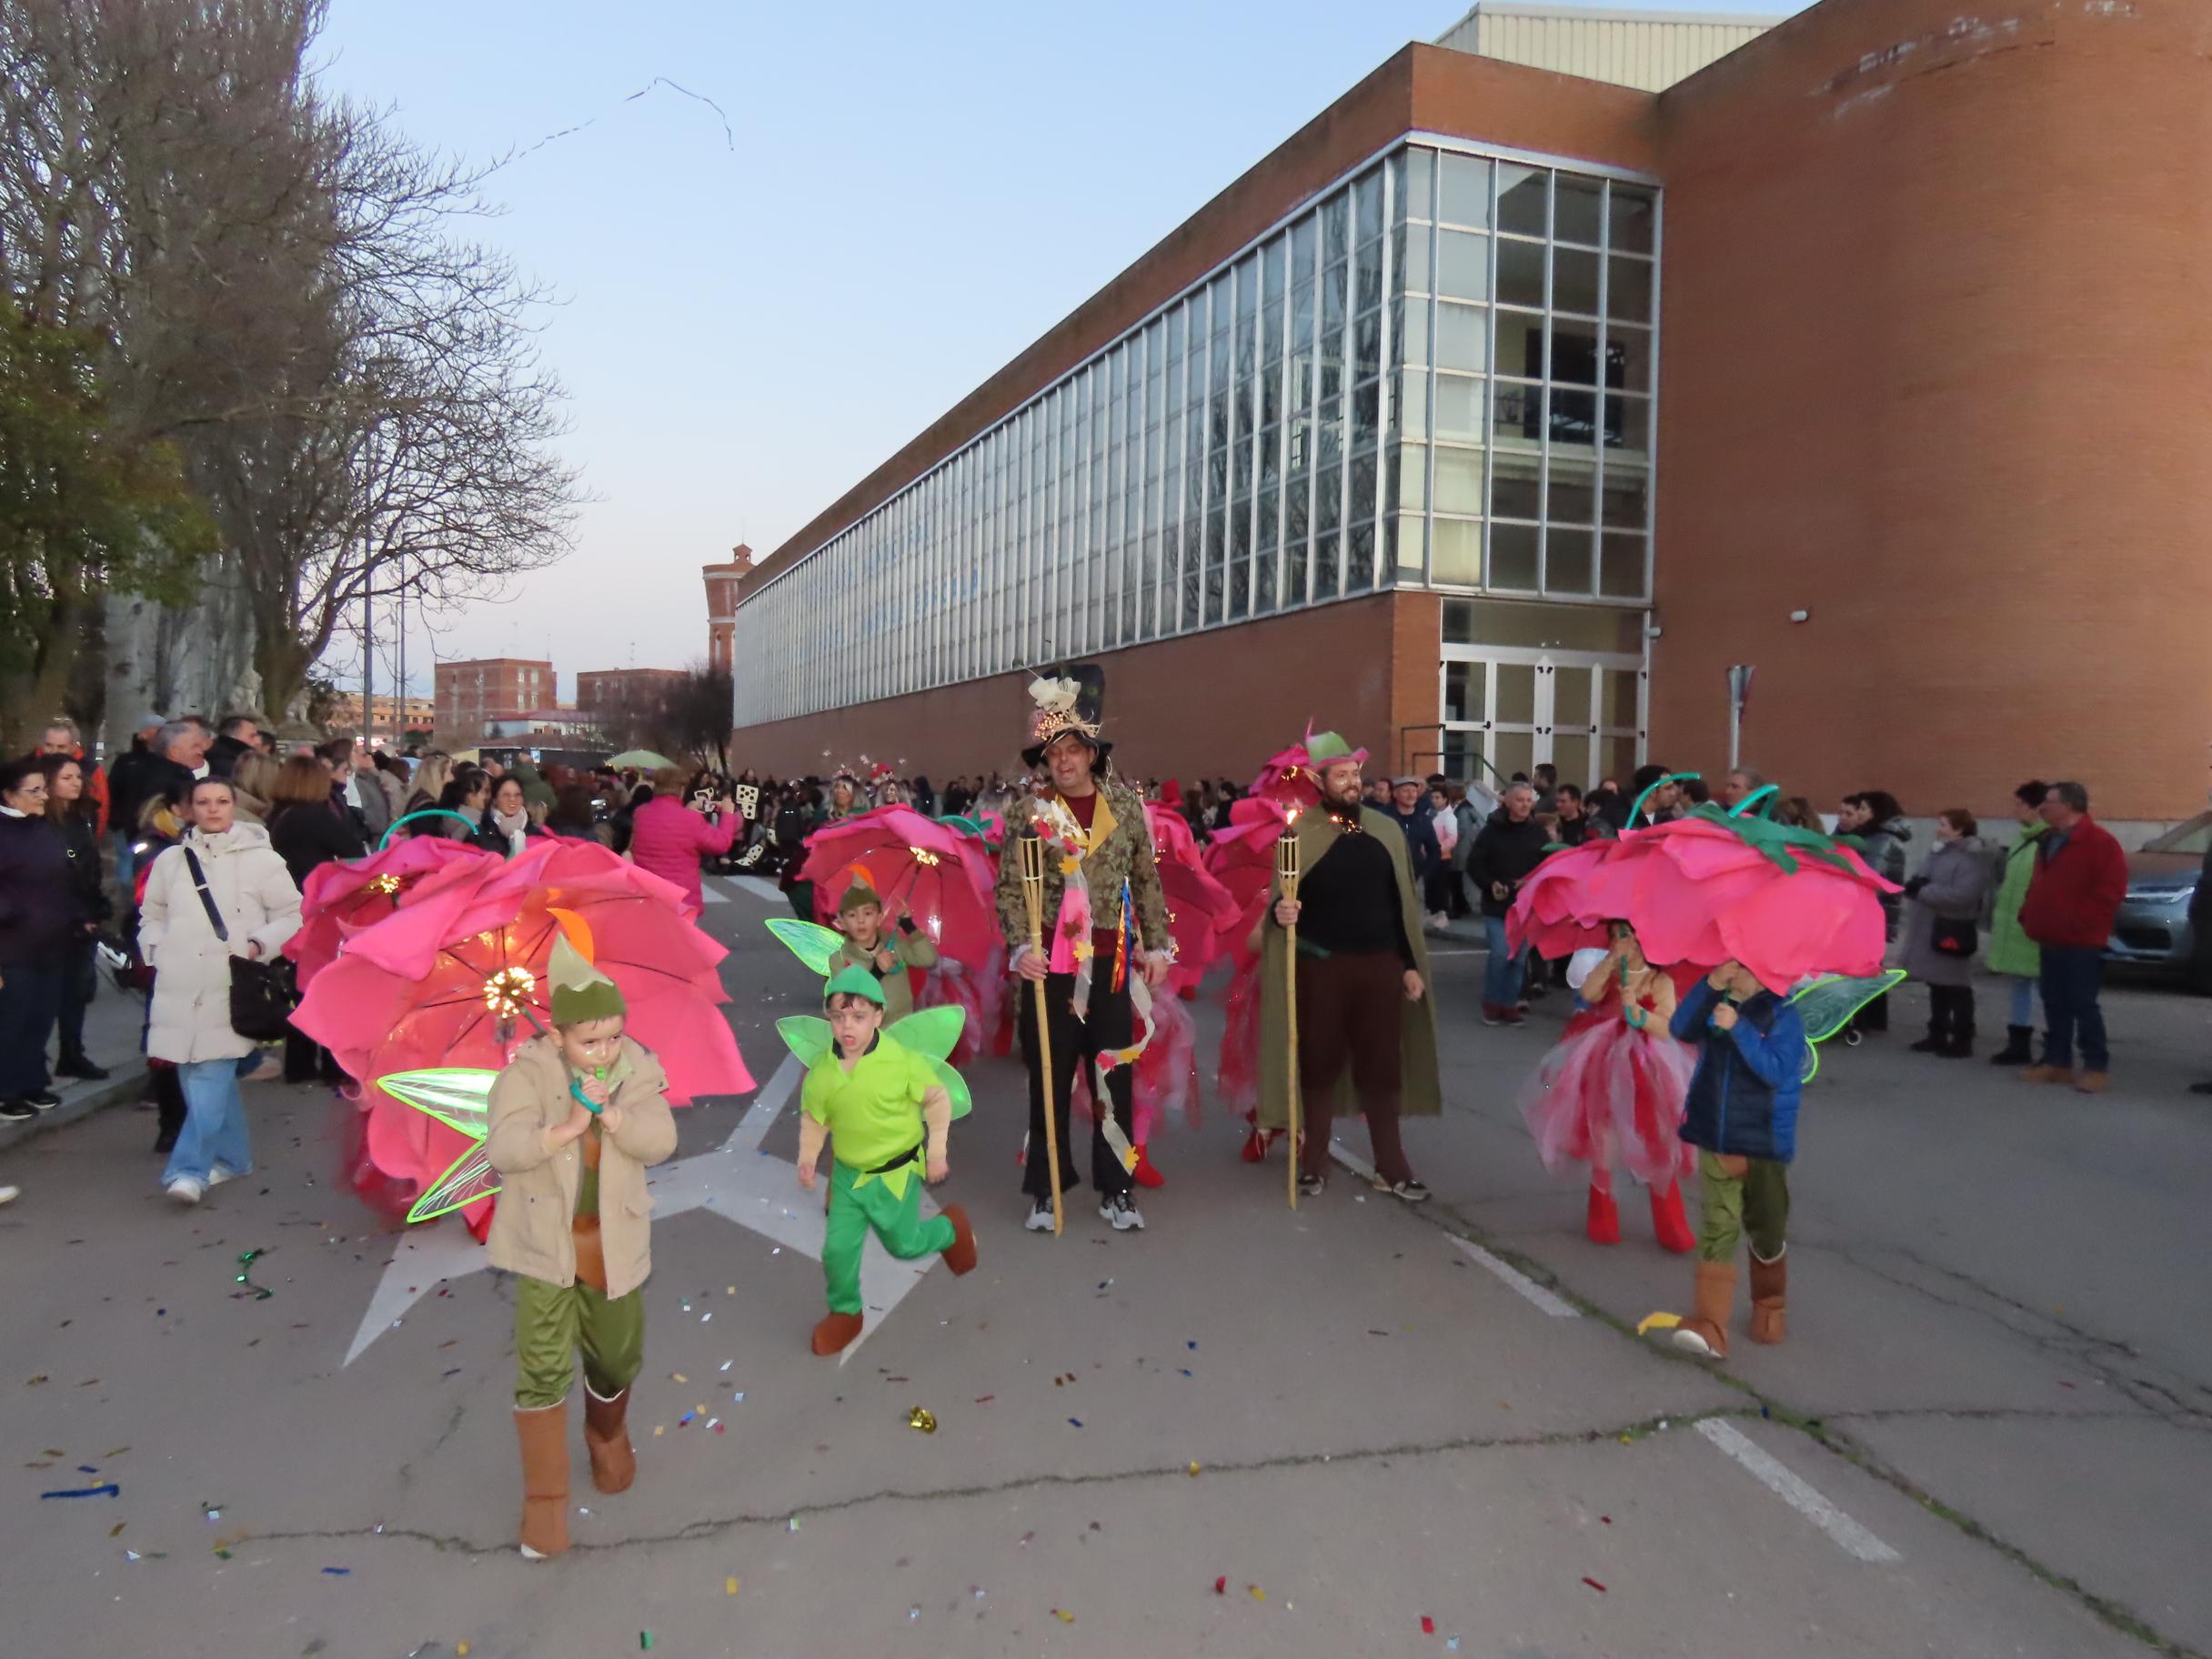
x=254, y=894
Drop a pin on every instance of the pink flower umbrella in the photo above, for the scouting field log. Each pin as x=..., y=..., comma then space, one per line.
x=1708, y=888
x=1199, y=907
x=942, y=877
x=346, y=895
x=455, y=977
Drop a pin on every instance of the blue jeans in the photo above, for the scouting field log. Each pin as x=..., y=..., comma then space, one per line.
x=124, y=864
x=2072, y=976
x=215, y=1122
x=2024, y=1001
x=1502, y=974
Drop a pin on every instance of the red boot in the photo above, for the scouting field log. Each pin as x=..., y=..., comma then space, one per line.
x=1142, y=1172
x=1256, y=1144
x=1603, y=1225
x=834, y=1334
x=1670, y=1222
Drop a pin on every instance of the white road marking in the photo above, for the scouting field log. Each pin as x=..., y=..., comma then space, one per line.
x=712, y=894
x=734, y=1180
x=759, y=887
x=1520, y=1282
x=1770, y=1473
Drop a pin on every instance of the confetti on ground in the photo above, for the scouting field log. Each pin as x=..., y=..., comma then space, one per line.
x=645, y=1639
x=1077, y=1422
x=685, y=1420
x=1256, y=1593
x=117, y=1531
x=678, y=1376
x=1593, y=1584
x=1606, y=1519
x=337, y=1571
x=1193, y=1471
x=1657, y=1321
x=794, y=1527
x=1025, y=1539
x=921, y=1417
x=1221, y=1586
x=1191, y=1346
x=985, y=1399
x=461, y=1648
x=1452, y=1645
x=109, y=1490
x=659, y=1429
x=1064, y=1615
x=729, y=1585
x=728, y=1363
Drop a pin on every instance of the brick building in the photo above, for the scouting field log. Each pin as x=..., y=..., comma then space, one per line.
x=614, y=689
x=470, y=696
x=419, y=713
x=1497, y=412
x=724, y=582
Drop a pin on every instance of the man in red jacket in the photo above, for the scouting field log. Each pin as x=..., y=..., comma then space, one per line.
x=2081, y=877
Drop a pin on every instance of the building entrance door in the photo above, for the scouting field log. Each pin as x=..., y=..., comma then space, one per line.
x=1507, y=710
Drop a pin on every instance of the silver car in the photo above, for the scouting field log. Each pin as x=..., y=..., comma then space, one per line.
x=2152, y=928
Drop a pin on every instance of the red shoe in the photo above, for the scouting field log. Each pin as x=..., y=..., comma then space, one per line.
x=1491, y=1012
x=1670, y=1222
x=834, y=1334
x=1603, y=1224
x=959, y=1255
x=1255, y=1145
x=1142, y=1172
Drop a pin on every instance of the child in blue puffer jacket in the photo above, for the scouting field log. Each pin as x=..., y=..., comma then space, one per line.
x=1741, y=1116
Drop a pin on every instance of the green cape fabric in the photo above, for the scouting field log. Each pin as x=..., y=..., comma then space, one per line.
x=1421, y=1090
x=2010, y=949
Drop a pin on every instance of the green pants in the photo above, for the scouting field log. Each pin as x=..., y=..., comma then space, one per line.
x=853, y=1210
x=551, y=1322
x=1742, y=1195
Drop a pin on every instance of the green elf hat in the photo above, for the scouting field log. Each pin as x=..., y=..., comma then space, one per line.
x=581, y=993
x=1326, y=749
x=857, y=895
x=853, y=982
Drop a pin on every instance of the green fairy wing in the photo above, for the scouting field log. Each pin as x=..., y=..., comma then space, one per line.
x=955, y=1087
x=934, y=1032
x=459, y=1096
x=1827, y=1004
x=808, y=942
x=807, y=1037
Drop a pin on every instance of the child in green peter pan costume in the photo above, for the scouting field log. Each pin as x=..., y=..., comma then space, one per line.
x=887, y=956
x=888, y=1100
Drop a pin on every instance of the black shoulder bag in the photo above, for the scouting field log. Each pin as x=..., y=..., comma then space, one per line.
x=262, y=994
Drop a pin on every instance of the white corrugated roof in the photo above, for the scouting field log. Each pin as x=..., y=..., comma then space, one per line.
x=1594, y=14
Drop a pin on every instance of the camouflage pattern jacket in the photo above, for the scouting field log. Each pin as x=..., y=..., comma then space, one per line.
x=1122, y=853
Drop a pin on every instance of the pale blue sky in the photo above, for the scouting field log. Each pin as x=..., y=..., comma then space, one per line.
x=915, y=194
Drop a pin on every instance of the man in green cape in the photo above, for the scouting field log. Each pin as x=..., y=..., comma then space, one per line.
x=1366, y=1025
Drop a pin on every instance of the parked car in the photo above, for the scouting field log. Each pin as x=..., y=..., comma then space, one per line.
x=2152, y=928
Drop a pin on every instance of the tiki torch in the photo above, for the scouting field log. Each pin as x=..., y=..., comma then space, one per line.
x=1033, y=853
x=1287, y=871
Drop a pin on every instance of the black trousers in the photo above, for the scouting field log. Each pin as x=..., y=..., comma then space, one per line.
x=30, y=998
x=1951, y=1012
x=1110, y=1024
x=80, y=984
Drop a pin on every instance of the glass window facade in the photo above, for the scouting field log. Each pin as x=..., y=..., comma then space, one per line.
x=1440, y=373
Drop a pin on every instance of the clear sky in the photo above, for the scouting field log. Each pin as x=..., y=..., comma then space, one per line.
x=914, y=194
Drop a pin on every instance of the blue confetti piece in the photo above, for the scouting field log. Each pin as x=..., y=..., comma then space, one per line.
x=337, y=1571
x=108, y=1491
x=86, y=1469
x=685, y=1418
x=1185, y=1372
x=1191, y=1346
x=1077, y=1422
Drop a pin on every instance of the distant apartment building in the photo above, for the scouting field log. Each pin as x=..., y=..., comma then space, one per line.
x=722, y=583
x=472, y=696
x=614, y=691
x=417, y=713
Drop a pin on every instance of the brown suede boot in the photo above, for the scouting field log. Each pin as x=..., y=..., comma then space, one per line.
x=1705, y=1332
x=835, y=1333
x=614, y=1463
x=1770, y=1284
x=959, y=1255
x=545, y=1480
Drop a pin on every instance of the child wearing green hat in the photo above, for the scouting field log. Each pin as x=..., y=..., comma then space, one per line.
x=859, y=918
x=887, y=1111
x=576, y=1118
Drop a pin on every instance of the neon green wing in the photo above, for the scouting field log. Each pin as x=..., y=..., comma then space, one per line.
x=468, y=1178
x=459, y=1096
x=812, y=943
x=955, y=1086
x=933, y=1032
x=806, y=1037
x=1828, y=1003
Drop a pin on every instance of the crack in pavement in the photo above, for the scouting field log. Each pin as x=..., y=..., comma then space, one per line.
x=711, y=1526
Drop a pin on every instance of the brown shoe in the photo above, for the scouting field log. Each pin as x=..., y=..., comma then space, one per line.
x=2048, y=1074
x=614, y=1463
x=545, y=1480
x=1770, y=1284
x=2093, y=1082
x=1705, y=1332
x=959, y=1255
x=835, y=1333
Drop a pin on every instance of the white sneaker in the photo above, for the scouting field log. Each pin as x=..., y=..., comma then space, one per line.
x=185, y=1189
x=1123, y=1214
x=8, y=1195
x=1040, y=1215
x=218, y=1175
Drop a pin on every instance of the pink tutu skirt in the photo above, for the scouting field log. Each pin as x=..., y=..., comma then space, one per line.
x=1608, y=1094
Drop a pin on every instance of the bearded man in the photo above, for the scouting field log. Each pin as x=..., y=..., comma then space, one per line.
x=1366, y=1025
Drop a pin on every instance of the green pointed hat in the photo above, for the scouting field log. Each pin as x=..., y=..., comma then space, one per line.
x=856, y=982
x=581, y=993
x=860, y=894
x=1326, y=749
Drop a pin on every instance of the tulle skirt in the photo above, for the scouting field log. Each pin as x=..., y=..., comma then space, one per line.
x=1608, y=1094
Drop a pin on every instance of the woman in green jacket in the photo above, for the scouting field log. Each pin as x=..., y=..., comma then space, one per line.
x=2011, y=951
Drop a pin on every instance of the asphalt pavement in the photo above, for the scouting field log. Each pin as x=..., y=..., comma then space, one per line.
x=1360, y=1429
